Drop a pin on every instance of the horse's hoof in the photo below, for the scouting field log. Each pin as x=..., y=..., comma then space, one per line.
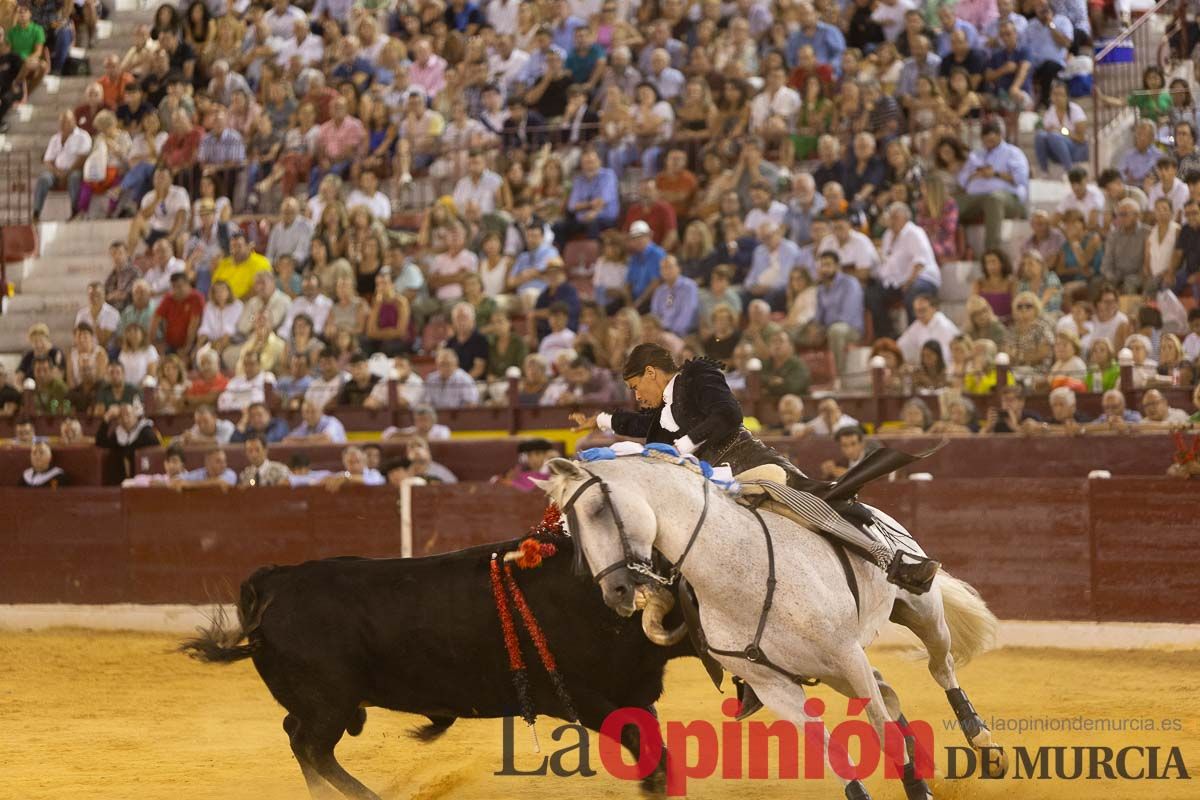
x=855, y=790
x=917, y=790
x=985, y=745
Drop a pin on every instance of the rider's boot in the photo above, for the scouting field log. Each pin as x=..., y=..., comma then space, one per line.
x=747, y=697
x=912, y=573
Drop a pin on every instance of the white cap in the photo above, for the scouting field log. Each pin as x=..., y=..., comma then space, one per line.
x=513, y=373
x=1002, y=359
x=149, y=382
x=1125, y=357
x=639, y=228
x=754, y=365
x=878, y=362
x=29, y=385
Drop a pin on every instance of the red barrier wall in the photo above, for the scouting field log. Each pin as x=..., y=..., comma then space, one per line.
x=1122, y=549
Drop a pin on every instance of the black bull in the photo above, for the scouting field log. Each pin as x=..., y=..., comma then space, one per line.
x=423, y=636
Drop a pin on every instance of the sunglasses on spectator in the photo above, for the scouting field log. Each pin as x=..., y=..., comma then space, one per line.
x=1024, y=306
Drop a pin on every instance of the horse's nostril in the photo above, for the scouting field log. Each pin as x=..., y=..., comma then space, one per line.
x=621, y=591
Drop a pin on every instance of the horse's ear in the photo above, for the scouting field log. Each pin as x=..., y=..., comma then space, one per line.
x=564, y=468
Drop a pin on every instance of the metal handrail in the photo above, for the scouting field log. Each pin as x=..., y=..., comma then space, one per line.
x=1132, y=29
x=1124, y=37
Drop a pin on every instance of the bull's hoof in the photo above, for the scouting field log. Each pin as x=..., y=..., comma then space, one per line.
x=655, y=784
x=855, y=790
x=355, y=726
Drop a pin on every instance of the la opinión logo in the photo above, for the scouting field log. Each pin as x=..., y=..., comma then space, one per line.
x=701, y=749
x=717, y=748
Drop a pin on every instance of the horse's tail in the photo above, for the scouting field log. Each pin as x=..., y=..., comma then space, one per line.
x=219, y=642
x=972, y=624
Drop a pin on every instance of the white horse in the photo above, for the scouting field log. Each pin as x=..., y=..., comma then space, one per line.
x=622, y=509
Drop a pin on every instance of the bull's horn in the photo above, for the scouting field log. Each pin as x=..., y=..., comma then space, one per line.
x=656, y=603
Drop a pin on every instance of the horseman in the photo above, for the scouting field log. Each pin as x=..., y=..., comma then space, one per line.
x=693, y=409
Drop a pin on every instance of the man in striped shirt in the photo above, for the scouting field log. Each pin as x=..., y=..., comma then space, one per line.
x=222, y=154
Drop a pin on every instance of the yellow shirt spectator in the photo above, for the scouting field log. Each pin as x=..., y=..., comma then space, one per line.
x=240, y=266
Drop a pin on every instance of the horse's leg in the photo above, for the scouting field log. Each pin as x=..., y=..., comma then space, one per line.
x=786, y=699
x=892, y=701
x=925, y=616
x=316, y=741
x=317, y=787
x=858, y=679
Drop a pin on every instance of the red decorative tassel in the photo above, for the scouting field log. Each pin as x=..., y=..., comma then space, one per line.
x=551, y=524
x=511, y=644
x=530, y=553
x=539, y=641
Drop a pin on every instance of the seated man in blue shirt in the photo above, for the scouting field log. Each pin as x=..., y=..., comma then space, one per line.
x=356, y=471
x=594, y=204
x=1009, y=73
x=826, y=40
x=1139, y=161
x=839, y=320
x=558, y=290
x=529, y=268
x=214, y=473
x=645, y=258
x=995, y=181
x=317, y=427
x=1047, y=38
x=676, y=301
x=772, y=266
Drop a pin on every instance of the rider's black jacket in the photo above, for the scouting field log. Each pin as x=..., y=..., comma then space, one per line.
x=703, y=407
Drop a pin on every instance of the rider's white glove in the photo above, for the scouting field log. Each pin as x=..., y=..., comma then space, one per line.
x=685, y=445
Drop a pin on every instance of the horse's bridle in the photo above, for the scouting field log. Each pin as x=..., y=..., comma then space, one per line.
x=629, y=560
x=752, y=652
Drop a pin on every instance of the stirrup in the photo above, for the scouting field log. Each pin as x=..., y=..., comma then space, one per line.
x=912, y=573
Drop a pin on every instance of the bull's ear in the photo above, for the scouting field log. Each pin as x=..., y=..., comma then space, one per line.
x=564, y=467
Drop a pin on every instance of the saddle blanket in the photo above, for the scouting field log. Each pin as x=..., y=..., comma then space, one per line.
x=879, y=540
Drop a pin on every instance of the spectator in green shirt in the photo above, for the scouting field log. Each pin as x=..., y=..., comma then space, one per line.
x=116, y=391
x=26, y=37
x=28, y=40
x=1153, y=102
x=783, y=372
x=50, y=395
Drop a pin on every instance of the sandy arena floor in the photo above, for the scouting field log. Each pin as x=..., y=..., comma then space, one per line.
x=87, y=715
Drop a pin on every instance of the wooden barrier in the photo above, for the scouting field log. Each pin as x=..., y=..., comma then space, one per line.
x=468, y=459
x=1005, y=456
x=1036, y=548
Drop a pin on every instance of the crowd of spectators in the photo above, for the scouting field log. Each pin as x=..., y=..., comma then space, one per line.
x=744, y=181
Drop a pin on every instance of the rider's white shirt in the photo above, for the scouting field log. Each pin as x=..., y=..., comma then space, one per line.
x=684, y=444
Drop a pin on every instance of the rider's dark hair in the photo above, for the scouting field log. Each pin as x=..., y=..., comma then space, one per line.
x=648, y=355
x=845, y=431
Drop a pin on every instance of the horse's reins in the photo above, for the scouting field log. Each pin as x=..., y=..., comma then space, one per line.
x=752, y=652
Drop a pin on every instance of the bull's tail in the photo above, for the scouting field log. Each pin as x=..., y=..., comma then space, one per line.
x=220, y=641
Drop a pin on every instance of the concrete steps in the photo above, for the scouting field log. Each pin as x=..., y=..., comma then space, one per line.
x=52, y=287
